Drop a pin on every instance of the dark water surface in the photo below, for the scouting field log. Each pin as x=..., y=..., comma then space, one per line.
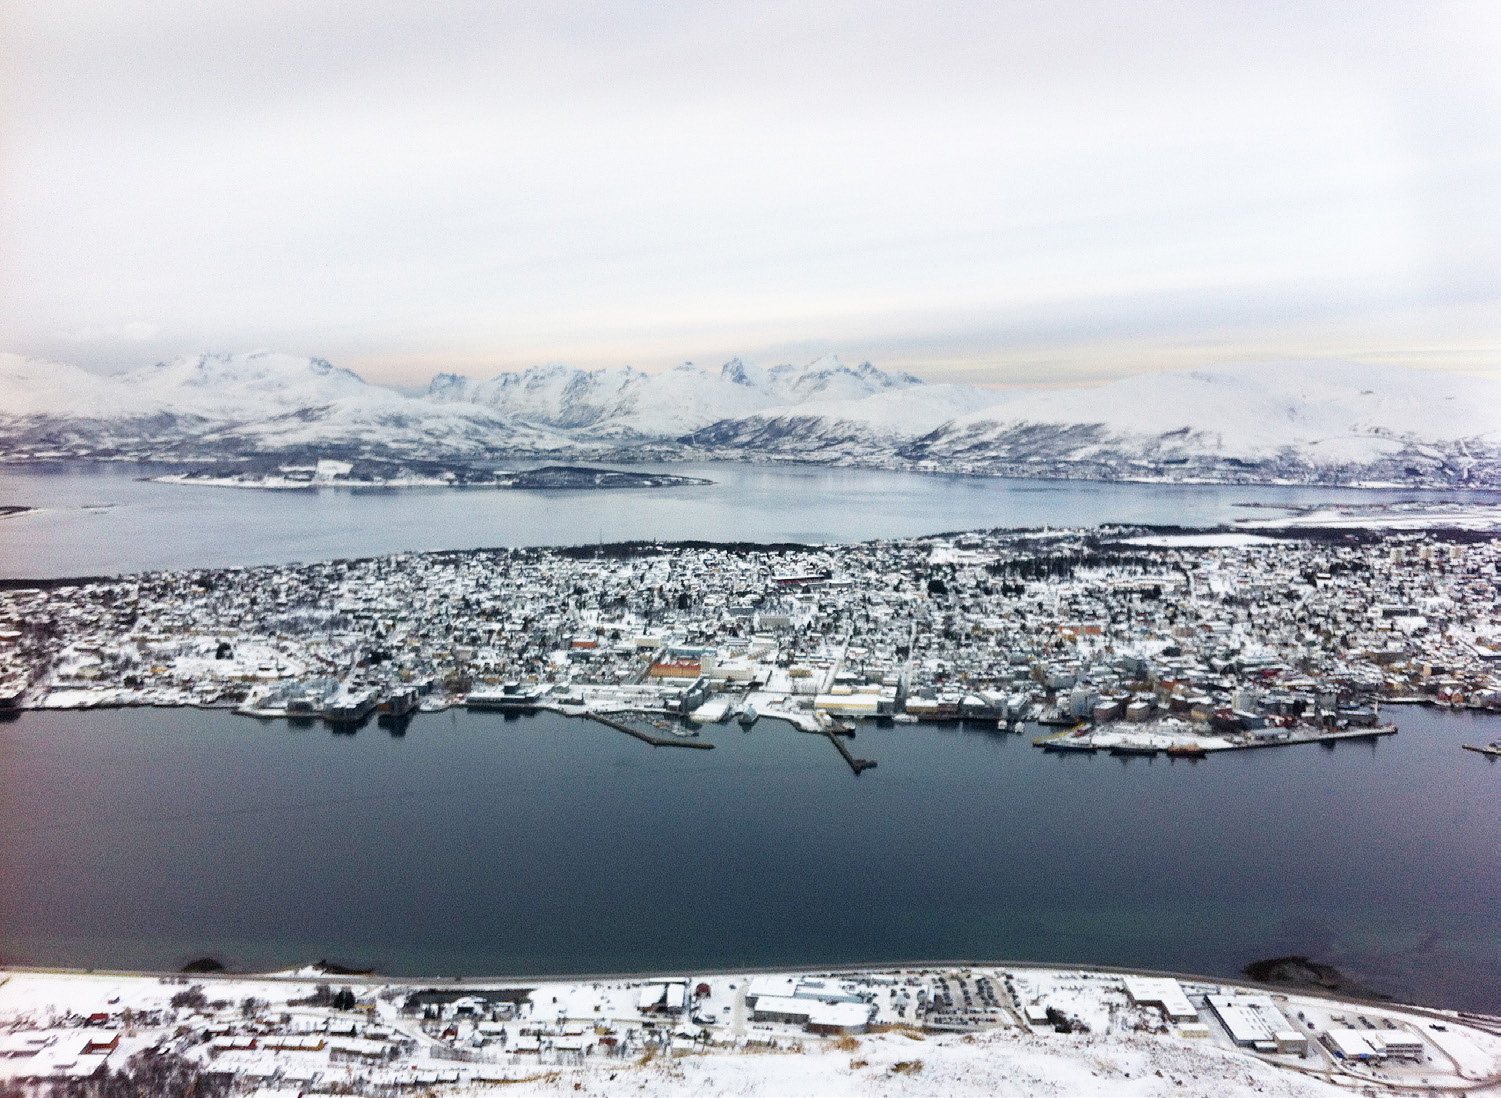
x=104, y=519
x=479, y=845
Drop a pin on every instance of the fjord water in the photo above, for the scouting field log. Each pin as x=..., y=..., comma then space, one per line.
x=478, y=845
x=106, y=519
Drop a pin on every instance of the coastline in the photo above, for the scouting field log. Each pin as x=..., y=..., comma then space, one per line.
x=648, y=456
x=846, y=1029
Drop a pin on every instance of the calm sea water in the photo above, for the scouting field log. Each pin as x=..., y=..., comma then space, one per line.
x=106, y=519
x=479, y=845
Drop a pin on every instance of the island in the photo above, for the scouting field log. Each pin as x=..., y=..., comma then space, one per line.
x=1126, y=640
x=374, y=473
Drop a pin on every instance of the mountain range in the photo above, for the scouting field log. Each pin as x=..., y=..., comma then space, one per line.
x=1324, y=422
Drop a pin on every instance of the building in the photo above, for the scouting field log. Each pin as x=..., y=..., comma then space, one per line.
x=1373, y=1044
x=663, y=998
x=848, y=704
x=1163, y=993
x=814, y=1015
x=1253, y=1021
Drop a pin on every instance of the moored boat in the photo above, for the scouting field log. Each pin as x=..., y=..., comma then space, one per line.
x=1146, y=750
x=1187, y=751
x=1066, y=745
x=512, y=696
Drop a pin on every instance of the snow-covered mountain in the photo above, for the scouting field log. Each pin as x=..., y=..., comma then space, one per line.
x=215, y=404
x=869, y=426
x=1302, y=421
x=1309, y=422
x=624, y=403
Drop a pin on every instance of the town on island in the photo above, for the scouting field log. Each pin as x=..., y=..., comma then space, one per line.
x=1124, y=639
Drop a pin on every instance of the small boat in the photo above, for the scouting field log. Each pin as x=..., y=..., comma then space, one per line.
x=903, y=718
x=1186, y=751
x=748, y=716
x=1054, y=716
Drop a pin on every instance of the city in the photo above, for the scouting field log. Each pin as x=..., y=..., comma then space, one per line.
x=1120, y=638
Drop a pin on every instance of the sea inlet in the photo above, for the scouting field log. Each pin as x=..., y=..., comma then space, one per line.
x=477, y=844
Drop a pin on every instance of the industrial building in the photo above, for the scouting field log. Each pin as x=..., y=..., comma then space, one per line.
x=1373, y=1044
x=1163, y=993
x=1253, y=1021
x=820, y=1006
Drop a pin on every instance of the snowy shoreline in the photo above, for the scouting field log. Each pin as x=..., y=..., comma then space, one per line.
x=1037, y=1028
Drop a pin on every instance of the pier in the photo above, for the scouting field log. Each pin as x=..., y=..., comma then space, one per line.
x=655, y=741
x=1137, y=741
x=856, y=765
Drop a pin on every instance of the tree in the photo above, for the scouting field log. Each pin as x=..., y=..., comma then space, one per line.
x=191, y=999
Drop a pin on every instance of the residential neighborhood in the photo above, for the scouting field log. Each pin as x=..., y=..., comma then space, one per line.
x=1119, y=638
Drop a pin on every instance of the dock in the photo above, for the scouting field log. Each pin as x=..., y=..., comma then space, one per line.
x=857, y=765
x=1490, y=751
x=1145, y=742
x=655, y=741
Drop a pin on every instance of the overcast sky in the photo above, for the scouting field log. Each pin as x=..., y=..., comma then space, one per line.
x=991, y=191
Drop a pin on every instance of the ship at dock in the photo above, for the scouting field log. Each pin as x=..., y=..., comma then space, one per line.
x=396, y=709
x=511, y=697
x=349, y=708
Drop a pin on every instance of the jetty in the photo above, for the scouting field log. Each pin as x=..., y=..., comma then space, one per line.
x=831, y=729
x=655, y=741
x=1490, y=750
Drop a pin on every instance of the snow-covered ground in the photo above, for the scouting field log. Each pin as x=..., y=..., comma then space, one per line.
x=714, y=1034
x=1406, y=515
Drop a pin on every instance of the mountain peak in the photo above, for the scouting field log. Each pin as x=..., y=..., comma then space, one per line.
x=738, y=372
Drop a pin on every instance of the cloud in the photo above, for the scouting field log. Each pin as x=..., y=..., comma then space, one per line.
x=615, y=181
x=135, y=331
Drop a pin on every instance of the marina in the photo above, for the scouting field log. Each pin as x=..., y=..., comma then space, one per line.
x=655, y=741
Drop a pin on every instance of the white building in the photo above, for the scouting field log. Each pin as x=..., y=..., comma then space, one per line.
x=1163, y=993
x=1253, y=1021
x=1373, y=1044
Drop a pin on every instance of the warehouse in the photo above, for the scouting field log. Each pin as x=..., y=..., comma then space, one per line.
x=1163, y=993
x=1253, y=1021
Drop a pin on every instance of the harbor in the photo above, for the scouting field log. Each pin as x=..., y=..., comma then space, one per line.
x=655, y=741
